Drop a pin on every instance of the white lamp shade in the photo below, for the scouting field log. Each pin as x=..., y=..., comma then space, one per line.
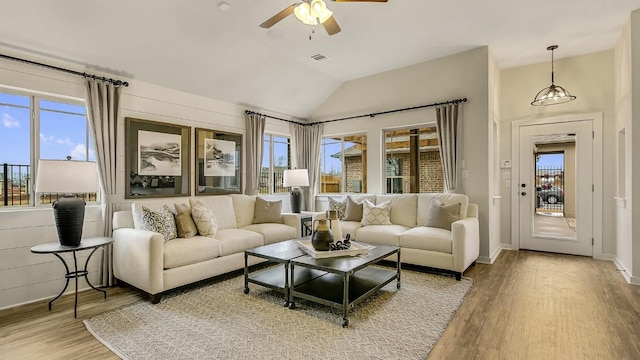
x=297, y=177
x=66, y=177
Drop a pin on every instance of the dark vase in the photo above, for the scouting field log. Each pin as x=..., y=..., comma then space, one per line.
x=322, y=235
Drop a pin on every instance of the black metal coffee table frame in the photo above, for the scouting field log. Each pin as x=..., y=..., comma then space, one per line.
x=347, y=280
x=277, y=277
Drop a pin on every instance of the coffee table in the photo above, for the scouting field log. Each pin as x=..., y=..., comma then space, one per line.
x=347, y=280
x=277, y=277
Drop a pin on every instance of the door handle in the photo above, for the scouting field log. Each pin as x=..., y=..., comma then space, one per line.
x=523, y=193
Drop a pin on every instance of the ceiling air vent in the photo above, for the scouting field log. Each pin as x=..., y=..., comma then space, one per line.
x=318, y=57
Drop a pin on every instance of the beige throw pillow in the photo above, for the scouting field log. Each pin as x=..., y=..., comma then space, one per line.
x=339, y=206
x=353, y=210
x=203, y=218
x=160, y=221
x=376, y=214
x=441, y=215
x=184, y=222
x=267, y=211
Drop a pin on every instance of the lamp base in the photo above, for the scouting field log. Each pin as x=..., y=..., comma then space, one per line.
x=296, y=200
x=69, y=215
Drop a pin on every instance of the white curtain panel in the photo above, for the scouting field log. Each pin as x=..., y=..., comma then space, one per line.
x=447, y=128
x=103, y=106
x=306, y=141
x=254, y=124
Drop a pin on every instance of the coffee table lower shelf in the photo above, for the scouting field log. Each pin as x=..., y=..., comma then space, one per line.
x=330, y=289
x=274, y=279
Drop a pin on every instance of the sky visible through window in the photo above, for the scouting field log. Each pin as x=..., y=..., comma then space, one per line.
x=63, y=130
x=554, y=161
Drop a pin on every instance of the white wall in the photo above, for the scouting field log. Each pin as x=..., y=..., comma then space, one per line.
x=26, y=277
x=627, y=98
x=457, y=76
x=590, y=78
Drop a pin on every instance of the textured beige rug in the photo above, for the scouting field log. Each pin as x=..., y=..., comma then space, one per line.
x=218, y=321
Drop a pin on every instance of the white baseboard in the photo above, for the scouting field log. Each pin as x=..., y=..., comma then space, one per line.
x=491, y=259
x=633, y=280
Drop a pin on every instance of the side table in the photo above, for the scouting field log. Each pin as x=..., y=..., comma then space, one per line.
x=57, y=249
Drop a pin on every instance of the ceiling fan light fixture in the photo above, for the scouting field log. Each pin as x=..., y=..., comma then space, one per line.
x=554, y=94
x=312, y=13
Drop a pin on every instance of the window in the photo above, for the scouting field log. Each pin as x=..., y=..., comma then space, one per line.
x=34, y=127
x=343, y=164
x=413, y=161
x=276, y=158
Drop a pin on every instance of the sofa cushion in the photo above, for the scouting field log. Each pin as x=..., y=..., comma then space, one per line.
x=272, y=233
x=234, y=241
x=381, y=234
x=376, y=214
x=350, y=227
x=244, y=206
x=184, y=222
x=427, y=238
x=442, y=215
x=181, y=251
x=353, y=210
x=203, y=218
x=267, y=211
x=222, y=208
x=424, y=203
x=161, y=221
x=403, y=208
x=339, y=205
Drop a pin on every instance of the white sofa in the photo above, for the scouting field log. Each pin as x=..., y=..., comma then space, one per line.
x=452, y=250
x=144, y=260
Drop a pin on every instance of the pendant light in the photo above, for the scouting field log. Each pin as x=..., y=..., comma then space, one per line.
x=553, y=94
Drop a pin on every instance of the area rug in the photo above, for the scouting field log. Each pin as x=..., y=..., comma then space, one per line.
x=218, y=321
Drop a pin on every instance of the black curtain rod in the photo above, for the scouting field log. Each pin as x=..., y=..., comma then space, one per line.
x=96, y=77
x=456, y=101
x=249, y=112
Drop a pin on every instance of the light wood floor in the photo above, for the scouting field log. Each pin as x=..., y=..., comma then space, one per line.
x=527, y=305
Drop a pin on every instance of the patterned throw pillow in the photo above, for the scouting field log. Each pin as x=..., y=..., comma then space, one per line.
x=203, y=217
x=161, y=221
x=376, y=214
x=441, y=215
x=340, y=206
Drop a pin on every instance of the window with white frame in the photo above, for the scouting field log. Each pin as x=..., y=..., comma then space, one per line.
x=276, y=158
x=34, y=127
x=343, y=164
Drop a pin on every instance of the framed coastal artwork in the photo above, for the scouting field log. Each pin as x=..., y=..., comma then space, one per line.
x=218, y=162
x=157, y=159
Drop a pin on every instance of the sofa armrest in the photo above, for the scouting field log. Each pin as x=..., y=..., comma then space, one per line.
x=138, y=258
x=292, y=220
x=465, y=246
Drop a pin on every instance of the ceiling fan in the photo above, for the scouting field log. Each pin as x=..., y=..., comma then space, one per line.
x=311, y=12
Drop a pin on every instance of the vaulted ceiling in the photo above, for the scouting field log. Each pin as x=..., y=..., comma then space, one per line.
x=198, y=47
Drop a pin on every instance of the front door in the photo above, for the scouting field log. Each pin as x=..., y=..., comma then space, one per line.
x=555, y=187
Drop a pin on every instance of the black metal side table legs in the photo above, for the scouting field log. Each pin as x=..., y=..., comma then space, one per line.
x=75, y=274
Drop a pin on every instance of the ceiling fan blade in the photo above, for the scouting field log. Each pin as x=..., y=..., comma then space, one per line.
x=360, y=0
x=279, y=16
x=331, y=26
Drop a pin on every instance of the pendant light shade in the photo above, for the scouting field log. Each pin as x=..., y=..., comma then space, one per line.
x=554, y=94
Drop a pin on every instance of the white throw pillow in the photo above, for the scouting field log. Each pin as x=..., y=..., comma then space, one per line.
x=376, y=214
x=161, y=221
x=203, y=217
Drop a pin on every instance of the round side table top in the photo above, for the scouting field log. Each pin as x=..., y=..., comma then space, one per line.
x=86, y=243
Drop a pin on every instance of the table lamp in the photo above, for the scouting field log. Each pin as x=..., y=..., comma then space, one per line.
x=69, y=178
x=296, y=178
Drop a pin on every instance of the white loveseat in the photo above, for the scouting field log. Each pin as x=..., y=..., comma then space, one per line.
x=453, y=250
x=144, y=260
